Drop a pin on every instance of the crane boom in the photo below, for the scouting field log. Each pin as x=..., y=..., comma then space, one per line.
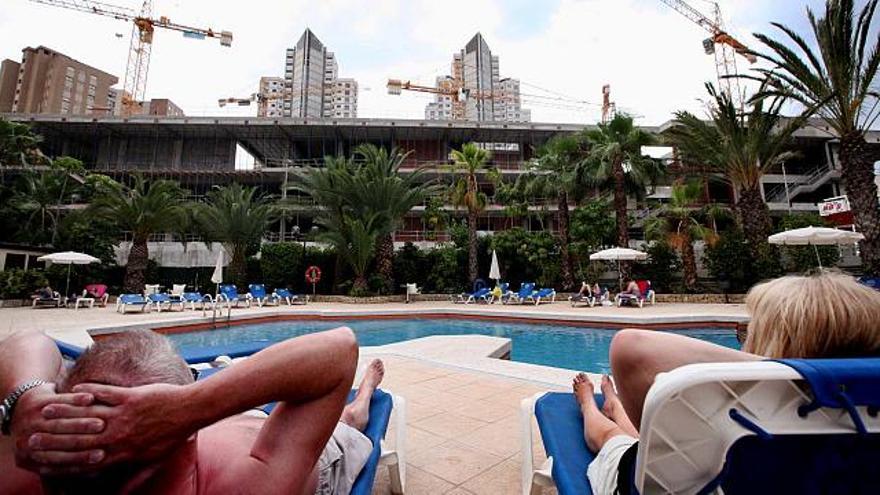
x=135, y=85
x=693, y=14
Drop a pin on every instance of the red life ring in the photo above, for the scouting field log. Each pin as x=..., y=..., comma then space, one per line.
x=313, y=274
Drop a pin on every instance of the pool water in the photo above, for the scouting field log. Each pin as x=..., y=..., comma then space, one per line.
x=574, y=348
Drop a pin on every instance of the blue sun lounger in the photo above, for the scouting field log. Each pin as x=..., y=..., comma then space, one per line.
x=125, y=300
x=525, y=291
x=381, y=405
x=229, y=294
x=478, y=295
x=792, y=426
x=290, y=298
x=258, y=293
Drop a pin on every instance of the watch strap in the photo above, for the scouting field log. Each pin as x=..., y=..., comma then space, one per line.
x=8, y=405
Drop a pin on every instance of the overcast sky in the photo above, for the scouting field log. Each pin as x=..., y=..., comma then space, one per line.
x=651, y=55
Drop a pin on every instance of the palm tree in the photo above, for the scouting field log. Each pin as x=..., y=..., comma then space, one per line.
x=237, y=217
x=838, y=82
x=679, y=224
x=555, y=173
x=37, y=197
x=742, y=147
x=470, y=161
x=143, y=209
x=380, y=189
x=354, y=238
x=615, y=164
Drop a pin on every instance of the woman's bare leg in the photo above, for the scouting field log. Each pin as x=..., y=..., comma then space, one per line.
x=598, y=429
x=637, y=356
x=613, y=408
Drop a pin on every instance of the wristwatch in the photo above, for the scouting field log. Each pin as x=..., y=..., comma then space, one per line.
x=7, y=407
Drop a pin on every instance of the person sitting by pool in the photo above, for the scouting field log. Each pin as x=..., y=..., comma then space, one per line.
x=44, y=293
x=827, y=315
x=586, y=291
x=129, y=418
x=632, y=288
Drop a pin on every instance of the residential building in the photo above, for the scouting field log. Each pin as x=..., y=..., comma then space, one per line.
x=162, y=107
x=50, y=82
x=8, y=77
x=312, y=87
x=271, y=97
x=477, y=85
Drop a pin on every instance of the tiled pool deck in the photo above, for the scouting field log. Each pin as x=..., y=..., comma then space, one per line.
x=463, y=433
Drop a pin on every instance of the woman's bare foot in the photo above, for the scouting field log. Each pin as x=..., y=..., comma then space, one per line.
x=613, y=408
x=583, y=391
x=357, y=413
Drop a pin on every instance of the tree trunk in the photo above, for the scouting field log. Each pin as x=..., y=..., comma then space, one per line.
x=564, y=241
x=385, y=263
x=858, y=178
x=473, y=267
x=136, y=268
x=689, y=264
x=754, y=216
x=622, y=219
x=237, y=269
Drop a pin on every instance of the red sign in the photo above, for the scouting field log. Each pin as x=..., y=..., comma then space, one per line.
x=834, y=206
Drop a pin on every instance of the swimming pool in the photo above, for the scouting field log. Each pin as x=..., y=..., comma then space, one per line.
x=569, y=347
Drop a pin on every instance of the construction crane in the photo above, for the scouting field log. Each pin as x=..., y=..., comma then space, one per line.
x=721, y=44
x=135, y=86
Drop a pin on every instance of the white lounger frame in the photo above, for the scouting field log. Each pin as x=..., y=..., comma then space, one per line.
x=686, y=427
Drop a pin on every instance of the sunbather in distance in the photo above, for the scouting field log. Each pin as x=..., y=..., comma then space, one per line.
x=43, y=293
x=632, y=288
x=828, y=315
x=128, y=418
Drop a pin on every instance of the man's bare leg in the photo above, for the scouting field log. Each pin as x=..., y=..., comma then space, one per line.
x=598, y=429
x=637, y=356
x=357, y=413
x=613, y=408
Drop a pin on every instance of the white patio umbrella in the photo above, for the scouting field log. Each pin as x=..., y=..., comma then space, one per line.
x=495, y=270
x=619, y=254
x=217, y=276
x=816, y=236
x=69, y=258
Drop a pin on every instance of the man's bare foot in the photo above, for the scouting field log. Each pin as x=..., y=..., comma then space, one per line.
x=357, y=413
x=613, y=408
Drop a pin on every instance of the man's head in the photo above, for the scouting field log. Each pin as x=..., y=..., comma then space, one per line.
x=129, y=359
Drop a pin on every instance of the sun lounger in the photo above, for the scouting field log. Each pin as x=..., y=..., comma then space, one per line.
x=229, y=294
x=290, y=298
x=525, y=292
x=124, y=301
x=484, y=294
x=193, y=298
x=543, y=295
x=759, y=427
x=99, y=292
x=160, y=301
x=589, y=298
x=646, y=294
x=872, y=282
x=44, y=300
x=257, y=292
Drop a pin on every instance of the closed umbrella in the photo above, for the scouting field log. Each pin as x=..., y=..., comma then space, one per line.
x=619, y=254
x=69, y=258
x=816, y=236
x=217, y=276
x=495, y=270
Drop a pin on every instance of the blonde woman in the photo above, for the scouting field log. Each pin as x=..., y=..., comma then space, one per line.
x=827, y=315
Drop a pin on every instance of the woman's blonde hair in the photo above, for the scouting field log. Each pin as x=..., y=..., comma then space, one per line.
x=825, y=315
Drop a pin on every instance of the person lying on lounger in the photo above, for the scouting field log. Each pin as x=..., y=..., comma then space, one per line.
x=128, y=418
x=827, y=315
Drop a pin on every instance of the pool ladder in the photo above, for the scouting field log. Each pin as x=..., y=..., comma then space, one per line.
x=214, y=314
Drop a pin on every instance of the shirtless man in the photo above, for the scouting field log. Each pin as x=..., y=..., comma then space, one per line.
x=130, y=419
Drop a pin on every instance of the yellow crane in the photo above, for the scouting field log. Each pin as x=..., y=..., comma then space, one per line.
x=721, y=44
x=144, y=24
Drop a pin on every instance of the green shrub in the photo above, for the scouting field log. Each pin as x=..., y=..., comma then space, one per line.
x=731, y=261
x=282, y=264
x=20, y=284
x=661, y=267
x=447, y=273
x=527, y=256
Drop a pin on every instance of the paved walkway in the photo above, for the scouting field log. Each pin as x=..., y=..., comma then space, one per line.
x=463, y=430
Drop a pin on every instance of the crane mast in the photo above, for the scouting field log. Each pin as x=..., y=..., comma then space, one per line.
x=721, y=44
x=143, y=27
